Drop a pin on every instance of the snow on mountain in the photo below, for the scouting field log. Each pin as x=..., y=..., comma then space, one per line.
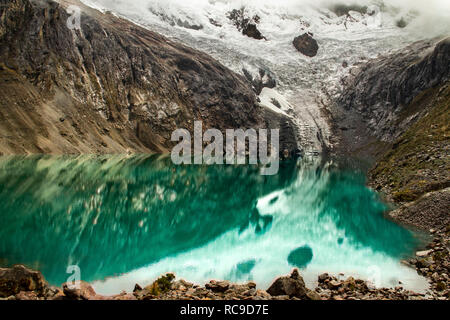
x=347, y=34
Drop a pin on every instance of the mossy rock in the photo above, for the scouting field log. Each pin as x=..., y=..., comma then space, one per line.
x=162, y=285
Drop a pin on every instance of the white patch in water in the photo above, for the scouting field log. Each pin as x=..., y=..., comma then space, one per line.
x=294, y=224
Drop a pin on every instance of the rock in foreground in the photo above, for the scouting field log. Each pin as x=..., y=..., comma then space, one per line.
x=19, y=278
x=25, y=284
x=292, y=286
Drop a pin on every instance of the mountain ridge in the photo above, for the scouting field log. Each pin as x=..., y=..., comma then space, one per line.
x=110, y=87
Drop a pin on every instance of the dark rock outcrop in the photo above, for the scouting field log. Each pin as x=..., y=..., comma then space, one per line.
x=117, y=86
x=250, y=30
x=306, y=44
x=381, y=90
x=245, y=23
x=288, y=136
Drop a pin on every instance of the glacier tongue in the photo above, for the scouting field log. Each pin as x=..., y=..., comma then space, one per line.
x=306, y=84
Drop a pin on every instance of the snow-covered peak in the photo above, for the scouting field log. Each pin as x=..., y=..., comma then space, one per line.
x=348, y=32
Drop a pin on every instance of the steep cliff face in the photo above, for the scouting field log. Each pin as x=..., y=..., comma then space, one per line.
x=376, y=106
x=415, y=172
x=397, y=108
x=108, y=87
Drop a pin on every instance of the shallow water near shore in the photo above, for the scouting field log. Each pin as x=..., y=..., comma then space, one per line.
x=128, y=219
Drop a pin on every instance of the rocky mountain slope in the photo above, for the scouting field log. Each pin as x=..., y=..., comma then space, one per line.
x=382, y=90
x=396, y=108
x=108, y=87
x=262, y=39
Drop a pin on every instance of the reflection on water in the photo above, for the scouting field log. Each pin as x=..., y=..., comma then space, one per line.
x=129, y=219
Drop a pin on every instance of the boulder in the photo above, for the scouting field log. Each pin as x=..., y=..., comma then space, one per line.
x=306, y=44
x=323, y=277
x=80, y=291
x=422, y=254
x=19, y=278
x=292, y=286
x=217, y=286
x=349, y=284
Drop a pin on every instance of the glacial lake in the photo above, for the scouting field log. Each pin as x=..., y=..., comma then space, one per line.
x=128, y=219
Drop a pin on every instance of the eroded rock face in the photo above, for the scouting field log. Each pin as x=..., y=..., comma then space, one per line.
x=306, y=44
x=118, y=87
x=21, y=279
x=380, y=90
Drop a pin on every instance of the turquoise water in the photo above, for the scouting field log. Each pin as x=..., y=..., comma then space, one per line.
x=128, y=219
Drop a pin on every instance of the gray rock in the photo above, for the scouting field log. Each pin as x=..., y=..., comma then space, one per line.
x=381, y=88
x=153, y=87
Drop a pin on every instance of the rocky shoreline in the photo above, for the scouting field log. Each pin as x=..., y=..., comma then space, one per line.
x=21, y=283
